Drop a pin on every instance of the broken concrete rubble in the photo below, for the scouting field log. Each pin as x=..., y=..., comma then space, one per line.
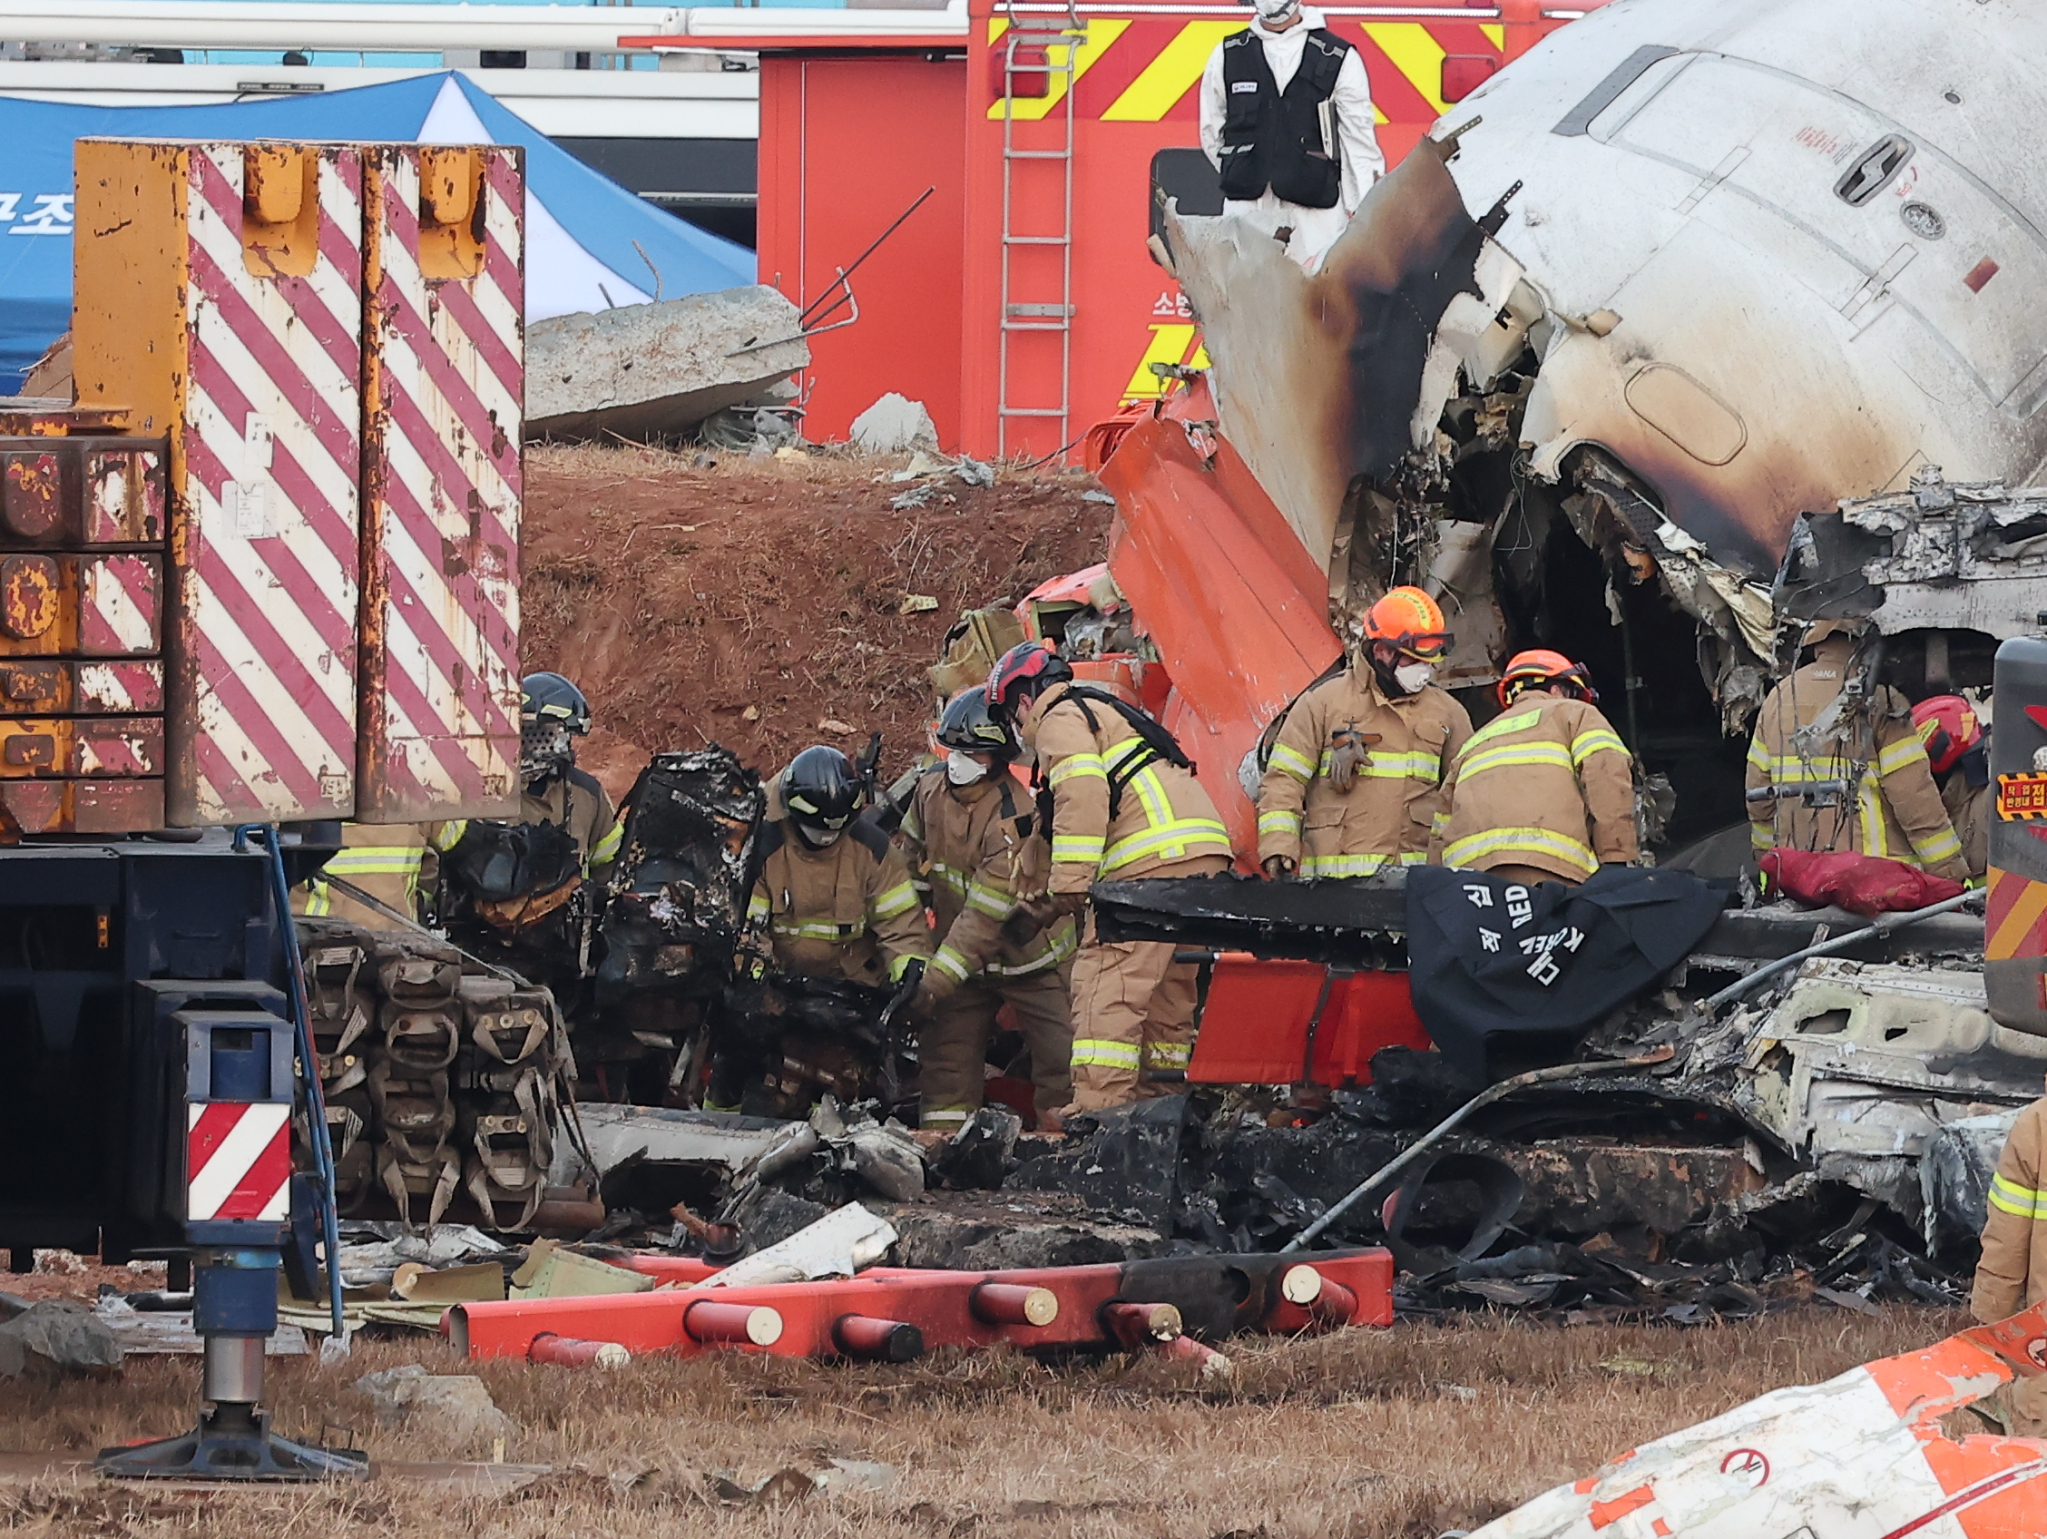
x=55, y=1336
x=895, y=424
x=458, y=1406
x=657, y=370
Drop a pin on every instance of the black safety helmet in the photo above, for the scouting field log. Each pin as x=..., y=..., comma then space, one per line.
x=967, y=726
x=548, y=698
x=821, y=789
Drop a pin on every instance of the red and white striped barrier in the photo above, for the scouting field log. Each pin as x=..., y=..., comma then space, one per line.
x=442, y=483
x=237, y=1161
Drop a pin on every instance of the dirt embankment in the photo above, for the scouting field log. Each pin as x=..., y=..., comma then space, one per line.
x=748, y=601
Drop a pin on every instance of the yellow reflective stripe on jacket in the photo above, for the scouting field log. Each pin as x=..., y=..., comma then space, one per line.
x=1869, y=812
x=376, y=860
x=1065, y=942
x=1762, y=836
x=1789, y=769
x=1288, y=761
x=1759, y=755
x=1390, y=766
x=986, y=900
x=1167, y=1055
x=951, y=963
x=1945, y=845
x=942, y=1116
x=1598, y=740
x=319, y=899
x=1513, y=756
x=1181, y=839
x=1342, y=865
x=2020, y=1201
x=1076, y=765
x=1521, y=841
x=955, y=881
x=1097, y=1052
x=449, y=834
x=605, y=850
x=816, y=929
x=1500, y=726
x=899, y=899
x=1279, y=821
x=757, y=908
x=1905, y=751
x=1077, y=849
x=898, y=967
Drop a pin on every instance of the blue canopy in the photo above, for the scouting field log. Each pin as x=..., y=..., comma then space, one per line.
x=590, y=244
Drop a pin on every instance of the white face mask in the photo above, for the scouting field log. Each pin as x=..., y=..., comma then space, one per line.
x=1414, y=677
x=1272, y=12
x=817, y=838
x=961, y=769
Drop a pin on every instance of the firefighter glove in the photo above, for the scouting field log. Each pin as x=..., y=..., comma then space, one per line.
x=1349, y=752
x=1279, y=867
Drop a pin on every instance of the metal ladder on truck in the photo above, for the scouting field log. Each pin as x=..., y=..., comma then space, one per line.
x=1042, y=43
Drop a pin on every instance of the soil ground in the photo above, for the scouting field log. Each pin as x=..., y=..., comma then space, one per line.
x=758, y=603
x=1399, y=1434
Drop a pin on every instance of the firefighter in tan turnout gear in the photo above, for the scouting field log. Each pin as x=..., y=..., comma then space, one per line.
x=1545, y=791
x=1354, y=780
x=2012, y=1274
x=973, y=843
x=834, y=898
x=1124, y=803
x=1838, y=770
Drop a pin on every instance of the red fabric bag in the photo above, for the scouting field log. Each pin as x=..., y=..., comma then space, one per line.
x=1862, y=884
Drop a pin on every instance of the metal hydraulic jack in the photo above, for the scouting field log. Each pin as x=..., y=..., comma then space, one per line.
x=234, y=1310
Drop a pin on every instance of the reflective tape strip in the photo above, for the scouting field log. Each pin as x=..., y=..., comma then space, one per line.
x=1598, y=740
x=955, y=881
x=377, y=860
x=898, y=967
x=899, y=899
x=1414, y=857
x=1077, y=849
x=1064, y=943
x=1179, y=840
x=1521, y=841
x=804, y=929
x=1759, y=755
x=1289, y=762
x=2021, y=1201
x=1869, y=811
x=986, y=900
x=943, y=1116
x=1499, y=726
x=1514, y=756
x=319, y=899
x=1077, y=766
x=1762, y=836
x=1901, y=754
x=606, y=849
x=449, y=834
x=1943, y=846
x=1787, y=769
x=1095, y=1052
x=1390, y=766
x=756, y=909
x=1342, y=865
x=1280, y=821
x=1167, y=1055
x=951, y=963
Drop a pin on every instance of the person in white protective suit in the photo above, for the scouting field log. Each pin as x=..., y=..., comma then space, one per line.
x=1286, y=117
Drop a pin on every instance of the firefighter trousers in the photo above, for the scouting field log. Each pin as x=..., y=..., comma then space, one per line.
x=952, y=1047
x=1133, y=1009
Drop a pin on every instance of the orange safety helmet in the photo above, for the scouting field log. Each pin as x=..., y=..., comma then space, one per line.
x=1538, y=668
x=1949, y=728
x=1408, y=620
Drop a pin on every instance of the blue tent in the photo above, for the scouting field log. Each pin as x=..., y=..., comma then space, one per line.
x=590, y=244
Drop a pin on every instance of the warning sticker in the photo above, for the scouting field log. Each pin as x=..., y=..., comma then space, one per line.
x=2021, y=796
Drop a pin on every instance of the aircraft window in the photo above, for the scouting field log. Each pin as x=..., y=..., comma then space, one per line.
x=1873, y=170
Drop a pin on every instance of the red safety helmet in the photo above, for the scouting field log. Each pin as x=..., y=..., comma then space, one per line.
x=1539, y=668
x=1028, y=664
x=1408, y=620
x=1948, y=727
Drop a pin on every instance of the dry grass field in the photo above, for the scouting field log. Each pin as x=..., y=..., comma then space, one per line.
x=1402, y=1434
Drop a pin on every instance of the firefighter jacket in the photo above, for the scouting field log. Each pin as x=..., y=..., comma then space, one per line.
x=2013, y=1272
x=1970, y=809
x=1387, y=813
x=1118, y=809
x=1546, y=783
x=845, y=911
x=1853, y=790
x=384, y=860
x=974, y=850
